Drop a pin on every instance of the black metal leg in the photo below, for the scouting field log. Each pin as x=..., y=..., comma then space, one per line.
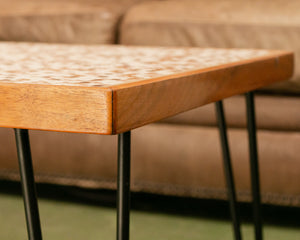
x=28, y=185
x=228, y=171
x=254, y=166
x=123, y=195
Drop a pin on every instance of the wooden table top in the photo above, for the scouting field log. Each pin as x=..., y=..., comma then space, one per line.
x=109, y=89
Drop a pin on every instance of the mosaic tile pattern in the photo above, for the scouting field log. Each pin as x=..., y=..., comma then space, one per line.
x=105, y=65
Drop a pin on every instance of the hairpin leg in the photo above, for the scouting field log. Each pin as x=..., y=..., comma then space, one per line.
x=123, y=201
x=28, y=185
x=255, y=185
x=228, y=170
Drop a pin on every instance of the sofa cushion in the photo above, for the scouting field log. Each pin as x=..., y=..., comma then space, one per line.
x=218, y=23
x=66, y=21
x=275, y=113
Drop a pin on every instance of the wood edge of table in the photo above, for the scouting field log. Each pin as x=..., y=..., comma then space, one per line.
x=108, y=118
x=150, y=104
x=76, y=109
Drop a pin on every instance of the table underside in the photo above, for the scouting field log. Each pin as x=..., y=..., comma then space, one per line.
x=109, y=89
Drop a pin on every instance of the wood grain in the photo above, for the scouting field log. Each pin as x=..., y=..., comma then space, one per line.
x=111, y=89
x=136, y=105
x=68, y=109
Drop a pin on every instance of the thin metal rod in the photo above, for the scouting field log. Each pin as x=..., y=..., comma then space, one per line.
x=123, y=191
x=28, y=185
x=254, y=167
x=228, y=170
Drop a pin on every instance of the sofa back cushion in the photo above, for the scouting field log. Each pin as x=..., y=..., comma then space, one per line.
x=218, y=23
x=64, y=21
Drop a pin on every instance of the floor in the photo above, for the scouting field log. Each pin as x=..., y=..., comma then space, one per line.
x=70, y=213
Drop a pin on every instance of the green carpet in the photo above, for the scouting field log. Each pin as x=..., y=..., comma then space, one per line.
x=77, y=221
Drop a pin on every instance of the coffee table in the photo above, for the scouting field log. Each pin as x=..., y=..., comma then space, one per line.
x=109, y=89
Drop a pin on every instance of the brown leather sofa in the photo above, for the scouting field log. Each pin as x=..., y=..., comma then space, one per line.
x=180, y=155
